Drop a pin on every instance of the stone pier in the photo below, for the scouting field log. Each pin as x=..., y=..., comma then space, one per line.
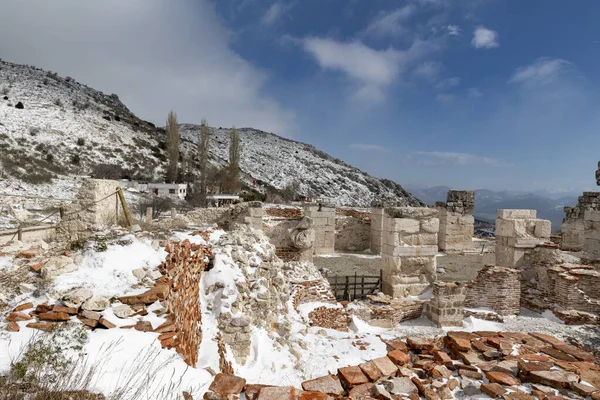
x=376, y=228
x=409, y=247
x=323, y=223
x=591, y=244
x=447, y=306
x=497, y=288
x=573, y=225
x=456, y=221
x=517, y=232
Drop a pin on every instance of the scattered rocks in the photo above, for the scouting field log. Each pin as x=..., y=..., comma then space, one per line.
x=97, y=303
x=123, y=311
x=75, y=298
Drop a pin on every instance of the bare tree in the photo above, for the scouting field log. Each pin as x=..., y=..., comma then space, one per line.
x=234, y=160
x=172, y=146
x=203, y=149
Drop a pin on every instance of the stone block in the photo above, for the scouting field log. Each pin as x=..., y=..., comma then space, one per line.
x=430, y=226
x=405, y=225
x=592, y=215
x=543, y=228
x=329, y=384
x=517, y=214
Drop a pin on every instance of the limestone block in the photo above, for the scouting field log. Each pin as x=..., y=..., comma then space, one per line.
x=430, y=226
x=591, y=215
x=543, y=228
x=515, y=227
x=419, y=239
x=517, y=214
x=411, y=251
x=420, y=213
x=405, y=225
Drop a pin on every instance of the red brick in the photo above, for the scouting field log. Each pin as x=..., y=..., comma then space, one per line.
x=64, y=309
x=24, y=306
x=399, y=357
x=385, y=366
x=252, y=391
x=329, y=384
x=54, y=316
x=493, y=390
x=352, y=376
x=13, y=327
x=502, y=378
x=360, y=391
x=18, y=316
x=278, y=393
x=42, y=326
x=370, y=370
x=30, y=253
x=106, y=323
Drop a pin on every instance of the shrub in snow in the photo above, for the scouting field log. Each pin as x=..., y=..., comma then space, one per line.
x=80, y=141
x=75, y=159
x=20, y=106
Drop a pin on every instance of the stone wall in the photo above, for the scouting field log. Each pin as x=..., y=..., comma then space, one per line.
x=409, y=247
x=517, y=232
x=183, y=269
x=317, y=290
x=323, y=220
x=352, y=233
x=207, y=216
x=497, y=288
x=376, y=229
x=446, y=307
x=591, y=244
x=95, y=209
x=456, y=221
x=573, y=225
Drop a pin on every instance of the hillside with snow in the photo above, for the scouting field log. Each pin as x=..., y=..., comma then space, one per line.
x=53, y=129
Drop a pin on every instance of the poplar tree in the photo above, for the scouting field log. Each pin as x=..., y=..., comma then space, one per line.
x=172, y=146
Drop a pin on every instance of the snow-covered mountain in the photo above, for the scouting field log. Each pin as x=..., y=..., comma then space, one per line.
x=54, y=128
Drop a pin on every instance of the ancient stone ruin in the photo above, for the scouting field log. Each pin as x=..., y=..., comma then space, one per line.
x=409, y=246
x=573, y=225
x=323, y=219
x=457, y=220
x=518, y=231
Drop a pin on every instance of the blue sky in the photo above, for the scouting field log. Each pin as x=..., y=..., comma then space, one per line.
x=464, y=93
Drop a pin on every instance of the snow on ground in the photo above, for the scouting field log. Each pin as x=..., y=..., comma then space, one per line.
x=357, y=255
x=6, y=262
x=109, y=273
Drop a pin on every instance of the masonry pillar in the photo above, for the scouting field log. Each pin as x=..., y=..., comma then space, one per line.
x=254, y=219
x=409, y=247
x=376, y=228
x=517, y=232
x=323, y=223
x=457, y=221
x=447, y=306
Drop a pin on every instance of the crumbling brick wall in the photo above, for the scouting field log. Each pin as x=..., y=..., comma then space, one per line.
x=456, y=221
x=183, y=269
x=311, y=291
x=497, y=288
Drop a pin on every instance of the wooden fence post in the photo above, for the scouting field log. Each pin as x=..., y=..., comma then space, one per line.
x=381, y=280
x=19, y=233
x=148, y=215
x=346, y=294
x=125, y=208
x=355, y=283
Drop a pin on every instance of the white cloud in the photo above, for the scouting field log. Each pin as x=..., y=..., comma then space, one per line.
x=274, y=14
x=542, y=72
x=429, y=70
x=445, y=98
x=435, y=158
x=484, y=38
x=474, y=92
x=368, y=147
x=371, y=69
x=448, y=83
x=197, y=74
x=453, y=30
x=390, y=24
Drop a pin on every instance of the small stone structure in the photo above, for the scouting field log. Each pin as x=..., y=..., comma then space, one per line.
x=573, y=225
x=456, y=221
x=518, y=231
x=409, y=247
x=446, y=307
x=591, y=244
x=323, y=217
x=302, y=238
x=96, y=208
x=567, y=289
x=497, y=288
x=385, y=312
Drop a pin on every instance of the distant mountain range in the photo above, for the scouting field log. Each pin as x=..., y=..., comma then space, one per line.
x=548, y=205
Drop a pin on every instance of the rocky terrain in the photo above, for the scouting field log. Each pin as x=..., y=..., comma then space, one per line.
x=53, y=128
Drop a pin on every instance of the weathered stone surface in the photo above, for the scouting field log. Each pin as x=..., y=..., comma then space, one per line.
x=94, y=315
x=65, y=309
x=18, y=316
x=227, y=384
x=13, y=327
x=96, y=303
x=402, y=385
x=106, y=323
x=502, y=378
x=42, y=326
x=24, y=306
x=54, y=316
x=398, y=357
x=251, y=391
x=556, y=378
x=327, y=384
x=123, y=311
x=370, y=370
x=75, y=298
x=360, y=391
x=385, y=366
x=510, y=367
x=278, y=393
x=493, y=390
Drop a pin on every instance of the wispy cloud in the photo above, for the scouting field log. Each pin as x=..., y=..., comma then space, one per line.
x=390, y=23
x=448, y=83
x=373, y=70
x=474, y=93
x=274, y=14
x=436, y=158
x=368, y=147
x=542, y=72
x=453, y=30
x=429, y=70
x=484, y=38
x=445, y=98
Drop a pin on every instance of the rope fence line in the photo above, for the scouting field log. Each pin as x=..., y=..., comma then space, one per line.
x=62, y=214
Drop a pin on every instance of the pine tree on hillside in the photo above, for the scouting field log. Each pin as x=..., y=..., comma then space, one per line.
x=203, y=149
x=172, y=146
